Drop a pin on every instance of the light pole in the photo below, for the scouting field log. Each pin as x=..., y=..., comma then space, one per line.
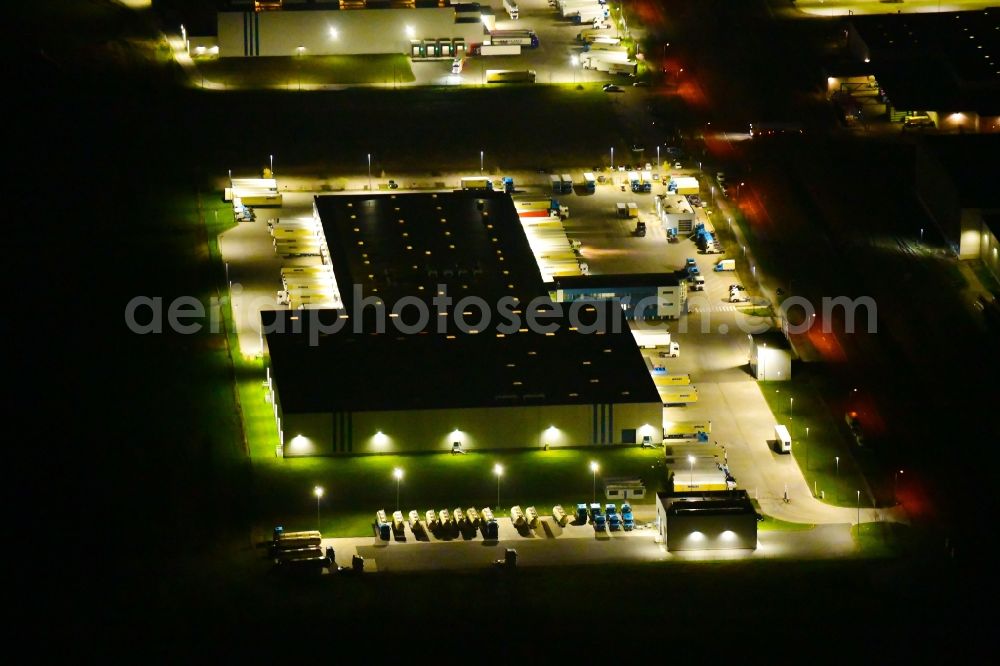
x=657, y=158
x=498, y=470
x=272, y=165
x=895, y=485
x=369, y=172
x=691, y=470
x=318, y=492
x=921, y=235
x=575, y=62
x=480, y=162
x=612, y=159
x=836, y=459
x=593, y=468
x=859, y=513
x=738, y=186
x=791, y=404
x=398, y=473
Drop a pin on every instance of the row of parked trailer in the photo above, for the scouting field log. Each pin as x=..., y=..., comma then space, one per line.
x=564, y=184
x=298, y=237
x=299, y=549
x=555, y=253
x=435, y=521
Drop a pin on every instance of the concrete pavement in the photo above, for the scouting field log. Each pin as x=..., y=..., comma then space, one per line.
x=576, y=545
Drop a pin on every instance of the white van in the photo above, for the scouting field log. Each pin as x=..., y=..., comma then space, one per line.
x=784, y=440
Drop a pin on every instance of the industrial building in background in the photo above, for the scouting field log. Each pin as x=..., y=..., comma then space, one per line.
x=417, y=28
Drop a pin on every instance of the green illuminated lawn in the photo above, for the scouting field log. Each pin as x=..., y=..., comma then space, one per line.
x=304, y=72
x=816, y=452
x=357, y=486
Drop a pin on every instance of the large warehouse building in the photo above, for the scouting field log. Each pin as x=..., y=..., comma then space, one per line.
x=346, y=28
x=380, y=377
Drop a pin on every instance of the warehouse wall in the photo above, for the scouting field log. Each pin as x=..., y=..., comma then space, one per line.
x=362, y=31
x=711, y=532
x=474, y=428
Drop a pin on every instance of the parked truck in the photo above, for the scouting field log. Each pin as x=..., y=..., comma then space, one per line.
x=686, y=429
x=589, y=182
x=499, y=50
x=526, y=38
x=589, y=15
x=567, y=183
x=476, y=183
x=725, y=265
x=597, y=517
x=628, y=522
x=614, y=520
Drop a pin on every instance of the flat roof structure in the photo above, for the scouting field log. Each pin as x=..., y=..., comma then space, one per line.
x=348, y=371
x=624, y=280
x=936, y=60
x=706, y=502
x=396, y=245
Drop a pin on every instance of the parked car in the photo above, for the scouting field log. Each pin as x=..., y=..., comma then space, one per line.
x=736, y=287
x=694, y=200
x=613, y=88
x=641, y=84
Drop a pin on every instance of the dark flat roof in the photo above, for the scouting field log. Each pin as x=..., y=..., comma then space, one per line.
x=396, y=245
x=936, y=60
x=708, y=502
x=348, y=371
x=774, y=339
x=970, y=161
x=625, y=280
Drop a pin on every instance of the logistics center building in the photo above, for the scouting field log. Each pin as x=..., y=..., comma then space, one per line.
x=347, y=28
x=353, y=381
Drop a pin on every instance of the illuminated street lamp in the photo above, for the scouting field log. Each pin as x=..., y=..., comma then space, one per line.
x=480, y=162
x=837, y=460
x=398, y=473
x=593, y=468
x=657, y=158
x=369, y=172
x=895, y=485
x=498, y=470
x=272, y=165
x=575, y=62
x=691, y=468
x=318, y=492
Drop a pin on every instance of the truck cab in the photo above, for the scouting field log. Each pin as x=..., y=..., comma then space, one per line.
x=581, y=513
x=614, y=520
x=597, y=517
x=640, y=229
x=628, y=522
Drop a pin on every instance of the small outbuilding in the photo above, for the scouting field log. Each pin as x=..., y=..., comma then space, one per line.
x=706, y=520
x=770, y=356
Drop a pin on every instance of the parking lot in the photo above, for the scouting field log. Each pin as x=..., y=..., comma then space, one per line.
x=551, y=59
